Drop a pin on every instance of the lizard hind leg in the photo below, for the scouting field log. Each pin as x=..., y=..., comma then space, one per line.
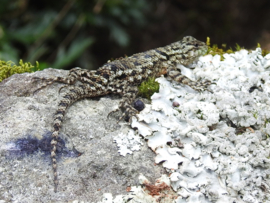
x=72, y=77
x=126, y=103
x=49, y=81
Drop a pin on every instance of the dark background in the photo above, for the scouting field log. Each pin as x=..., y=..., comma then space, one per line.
x=65, y=34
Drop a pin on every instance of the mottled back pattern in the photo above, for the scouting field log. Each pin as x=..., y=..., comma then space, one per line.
x=123, y=77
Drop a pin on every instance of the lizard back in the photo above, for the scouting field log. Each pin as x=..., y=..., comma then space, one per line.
x=122, y=77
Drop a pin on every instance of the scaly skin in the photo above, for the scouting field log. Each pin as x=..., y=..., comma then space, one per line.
x=123, y=77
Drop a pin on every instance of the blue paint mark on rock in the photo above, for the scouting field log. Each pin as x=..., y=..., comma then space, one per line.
x=31, y=145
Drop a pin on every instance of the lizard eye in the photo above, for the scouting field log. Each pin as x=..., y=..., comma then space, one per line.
x=196, y=45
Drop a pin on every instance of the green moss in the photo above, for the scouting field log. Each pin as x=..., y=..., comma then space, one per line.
x=255, y=115
x=265, y=123
x=214, y=49
x=264, y=51
x=148, y=88
x=8, y=68
x=200, y=114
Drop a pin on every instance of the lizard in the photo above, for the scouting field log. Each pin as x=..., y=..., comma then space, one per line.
x=123, y=76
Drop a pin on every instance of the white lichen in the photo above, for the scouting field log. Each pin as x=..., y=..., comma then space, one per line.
x=128, y=143
x=215, y=145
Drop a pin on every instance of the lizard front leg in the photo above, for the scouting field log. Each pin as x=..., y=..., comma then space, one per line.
x=176, y=75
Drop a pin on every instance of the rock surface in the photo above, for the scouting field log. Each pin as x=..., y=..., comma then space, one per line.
x=25, y=127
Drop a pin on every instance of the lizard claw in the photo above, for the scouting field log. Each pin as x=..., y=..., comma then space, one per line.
x=202, y=85
x=48, y=82
x=127, y=114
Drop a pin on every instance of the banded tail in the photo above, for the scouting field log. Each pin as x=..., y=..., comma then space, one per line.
x=75, y=93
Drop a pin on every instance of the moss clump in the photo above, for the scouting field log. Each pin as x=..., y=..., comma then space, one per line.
x=8, y=68
x=148, y=88
x=214, y=49
x=264, y=51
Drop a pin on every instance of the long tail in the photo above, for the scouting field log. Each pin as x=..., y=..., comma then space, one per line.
x=75, y=93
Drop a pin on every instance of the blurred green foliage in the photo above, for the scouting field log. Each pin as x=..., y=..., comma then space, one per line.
x=69, y=33
x=60, y=33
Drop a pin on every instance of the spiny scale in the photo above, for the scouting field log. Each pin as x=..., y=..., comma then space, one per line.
x=123, y=77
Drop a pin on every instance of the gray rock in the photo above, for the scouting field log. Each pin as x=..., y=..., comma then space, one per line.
x=25, y=127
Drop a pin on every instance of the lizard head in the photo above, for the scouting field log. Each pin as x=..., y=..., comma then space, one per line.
x=188, y=50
